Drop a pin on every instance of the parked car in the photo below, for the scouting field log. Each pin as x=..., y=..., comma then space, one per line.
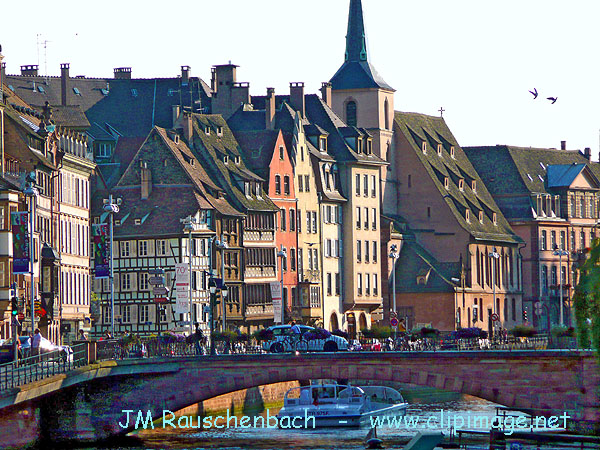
x=281, y=340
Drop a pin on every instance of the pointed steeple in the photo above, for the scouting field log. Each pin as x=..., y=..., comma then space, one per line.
x=356, y=46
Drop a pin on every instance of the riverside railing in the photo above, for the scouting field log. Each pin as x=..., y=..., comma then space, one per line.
x=43, y=365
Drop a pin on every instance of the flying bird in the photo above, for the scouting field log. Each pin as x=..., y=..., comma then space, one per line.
x=534, y=93
x=553, y=99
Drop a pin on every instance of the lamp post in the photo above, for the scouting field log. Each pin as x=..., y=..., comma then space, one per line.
x=189, y=223
x=282, y=254
x=222, y=245
x=393, y=256
x=112, y=208
x=212, y=286
x=560, y=253
x=495, y=255
x=31, y=192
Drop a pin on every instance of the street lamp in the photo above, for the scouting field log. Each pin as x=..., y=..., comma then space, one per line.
x=31, y=192
x=112, y=208
x=494, y=254
x=394, y=255
x=189, y=223
x=560, y=253
x=282, y=254
x=222, y=245
x=212, y=287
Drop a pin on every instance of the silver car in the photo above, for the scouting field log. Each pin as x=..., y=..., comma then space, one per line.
x=283, y=342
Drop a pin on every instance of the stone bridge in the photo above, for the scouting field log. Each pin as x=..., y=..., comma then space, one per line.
x=87, y=404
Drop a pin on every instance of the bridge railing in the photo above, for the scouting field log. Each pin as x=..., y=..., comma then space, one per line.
x=41, y=366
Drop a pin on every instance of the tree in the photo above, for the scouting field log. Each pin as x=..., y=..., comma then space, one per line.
x=587, y=300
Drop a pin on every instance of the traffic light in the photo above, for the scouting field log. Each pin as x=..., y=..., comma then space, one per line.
x=15, y=305
x=525, y=315
x=13, y=290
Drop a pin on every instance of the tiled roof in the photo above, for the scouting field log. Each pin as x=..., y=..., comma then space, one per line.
x=433, y=131
x=68, y=116
x=257, y=149
x=513, y=173
x=211, y=148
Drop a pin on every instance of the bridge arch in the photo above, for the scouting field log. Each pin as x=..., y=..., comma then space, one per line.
x=88, y=404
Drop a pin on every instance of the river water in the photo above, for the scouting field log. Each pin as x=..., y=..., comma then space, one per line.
x=439, y=416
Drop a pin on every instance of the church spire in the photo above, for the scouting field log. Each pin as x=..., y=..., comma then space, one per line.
x=356, y=47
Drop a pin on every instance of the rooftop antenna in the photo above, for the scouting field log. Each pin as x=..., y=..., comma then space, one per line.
x=46, y=59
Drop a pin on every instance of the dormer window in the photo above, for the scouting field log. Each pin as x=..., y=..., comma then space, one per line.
x=439, y=149
x=225, y=159
x=238, y=160
x=77, y=91
x=117, y=222
x=481, y=216
x=474, y=185
x=424, y=147
x=359, y=145
x=495, y=219
x=461, y=184
x=176, y=139
x=138, y=221
x=369, y=146
x=247, y=189
x=207, y=130
x=452, y=152
x=219, y=131
x=468, y=215
x=134, y=93
x=446, y=183
x=281, y=153
x=257, y=189
x=323, y=144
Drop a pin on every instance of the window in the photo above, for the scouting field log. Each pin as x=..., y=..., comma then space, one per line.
x=552, y=240
x=374, y=213
x=351, y=113
x=461, y=184
x=375, y=290
x=125, y=249
x=106, y=315
x=77, y=91
x=474, y=186
x=358, y=221
x=367, y=259
x=286, y=185
x=314, y=221
x=292, y=220
x=143, y=248
x=374, y=251
x=359, y=284
x=358, y=251
x=308, y=228
x=328, y=248
x=293, y=259
x=573, y=212
x=424, y=147
x=468, y=215
x=367, y=284
x=336, y=248
x=452, y=156
x=144, y=281
x=573, y=245
x=366, y=185
x=357, y=184
x=446, y=183
x=315, y=258
x=554, y=276
x=582, y=211
x=306, y=183
x=562, y=240
x=337, y=284
x=247, y=189
x=481, y=216
x=283, y=219
x=281, y=153
x=277, y=184
x=161, y=247
x=125, y=281
x=300, y=184
x=495, y=218
x=544, y=279
x=582, y=240
x=126, y=313
x=329, y=284
x=543, y=242
x=439, y=149
x=366, y=210
x=323, y=144
x=373, y=186
x=284, y=259
x=144, y=315
x=299, y=217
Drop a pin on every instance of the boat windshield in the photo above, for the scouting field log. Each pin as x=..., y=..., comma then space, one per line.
x=383, y=394
x=351, y=391
x=306, y=395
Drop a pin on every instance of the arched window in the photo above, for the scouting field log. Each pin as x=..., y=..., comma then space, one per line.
x=351, y=113
x=386, y=112
x=333, y=322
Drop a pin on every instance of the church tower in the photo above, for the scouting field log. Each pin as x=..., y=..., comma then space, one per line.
x=360, y=96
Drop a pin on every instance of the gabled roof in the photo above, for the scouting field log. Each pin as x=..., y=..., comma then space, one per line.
x=257, y=149
x=67, y=116
x=420, y=129
x=563, y=175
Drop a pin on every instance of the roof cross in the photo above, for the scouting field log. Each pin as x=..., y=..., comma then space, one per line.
x=441, y=110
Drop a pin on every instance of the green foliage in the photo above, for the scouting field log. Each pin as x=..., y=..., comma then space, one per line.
x=587, y=300
x=377, y=332
x=562, y=331
x=224, y=336
x=523, y=331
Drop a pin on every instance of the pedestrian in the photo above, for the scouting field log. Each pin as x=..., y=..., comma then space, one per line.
x=199, y=337
x=35, y=342
x=82, y=336
x=107, y=335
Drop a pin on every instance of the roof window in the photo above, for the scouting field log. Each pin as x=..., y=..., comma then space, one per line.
x=134, y=93
x=495, y=219
x=219, y=131
x=207, y=130
x=41, y=89
x=446, y=183
x=452, y=152
x=138, y=221
x=118, y=222
x=104, y=91
x=77, y=91
x=439, y=149
x=10, y=86
x=543, y=166
x=541, y=178
x=481, y=216
x=529, y=176
x=225, y=159
x=424, y=147
x=474, y=185
x=461, y=184
x=468, y=215
x=237, y=159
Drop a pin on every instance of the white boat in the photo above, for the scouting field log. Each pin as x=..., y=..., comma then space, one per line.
x=334, y=405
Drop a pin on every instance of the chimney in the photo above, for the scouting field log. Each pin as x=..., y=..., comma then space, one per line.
x=563, y=145
x=588, y=153
x=146, y=183
x=64, y=84
x=188, y=129
x=297, y=97
x=122, y=73
x=326, y=93
x=185, y=75
x=176, y=113
x=30, y=70
x=270, y=109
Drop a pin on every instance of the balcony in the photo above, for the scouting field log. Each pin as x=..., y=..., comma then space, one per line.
x=259, y=272
x=259, y=236
x=309, y=276
x=259, y=311
x=372, y=302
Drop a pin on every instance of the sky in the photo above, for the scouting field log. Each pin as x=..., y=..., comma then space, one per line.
x=478, y=59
